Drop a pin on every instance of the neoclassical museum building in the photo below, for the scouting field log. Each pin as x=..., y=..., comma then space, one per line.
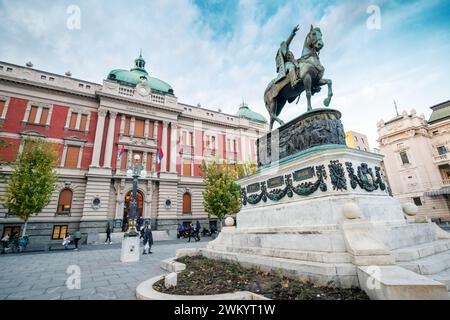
x=98, y=129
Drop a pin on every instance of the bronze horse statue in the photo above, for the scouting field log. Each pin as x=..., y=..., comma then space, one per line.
x=308, y=70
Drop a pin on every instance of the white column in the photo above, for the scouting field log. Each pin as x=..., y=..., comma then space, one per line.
x=88, y=122
x=69, y=115
x=98, y=138
x=146, y=127
x=110, y=139
x=153, y=168
x=155, y=130
x=173, y=147
x=164, y=146
x=38, y=115
x=64, y=154
x=80, y=156
x=122, y=125
x=78, y=122
x=132, y=126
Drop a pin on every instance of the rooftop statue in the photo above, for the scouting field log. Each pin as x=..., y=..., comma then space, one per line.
x=296, y=75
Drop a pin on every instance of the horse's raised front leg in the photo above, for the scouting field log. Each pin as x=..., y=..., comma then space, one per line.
x=328, y=82
x=307, y=85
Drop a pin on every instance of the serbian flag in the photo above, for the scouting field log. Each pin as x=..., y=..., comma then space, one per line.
x=160, y=155
x=120, y=153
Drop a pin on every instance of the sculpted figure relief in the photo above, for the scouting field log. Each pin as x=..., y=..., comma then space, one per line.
x=296, y=75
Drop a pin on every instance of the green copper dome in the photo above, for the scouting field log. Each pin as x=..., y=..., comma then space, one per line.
x=137, y=75
x=246, y=113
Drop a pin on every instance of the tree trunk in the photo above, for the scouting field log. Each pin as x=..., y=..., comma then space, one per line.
x=24, y=228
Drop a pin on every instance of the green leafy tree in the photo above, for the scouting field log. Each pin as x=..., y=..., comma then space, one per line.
x=33, y=180
x=245, y=169
x=222, y=194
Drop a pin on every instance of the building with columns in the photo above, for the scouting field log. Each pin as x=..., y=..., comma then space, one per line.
x=417, y=159
x=98, y=129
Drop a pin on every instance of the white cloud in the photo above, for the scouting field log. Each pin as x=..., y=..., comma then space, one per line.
x=368, y=68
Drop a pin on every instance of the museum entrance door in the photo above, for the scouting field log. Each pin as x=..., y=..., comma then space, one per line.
x=127, y=207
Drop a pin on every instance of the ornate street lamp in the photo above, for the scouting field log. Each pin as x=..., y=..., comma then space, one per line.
x=136, y=171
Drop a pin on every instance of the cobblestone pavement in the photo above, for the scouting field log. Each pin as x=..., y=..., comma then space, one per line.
x=43, y=276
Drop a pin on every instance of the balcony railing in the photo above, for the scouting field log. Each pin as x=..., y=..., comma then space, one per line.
x=441, y=157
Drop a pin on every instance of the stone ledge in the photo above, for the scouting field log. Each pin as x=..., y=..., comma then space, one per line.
x=396, y=283
x=188, y=252
x=145, y=291
x=171, y=265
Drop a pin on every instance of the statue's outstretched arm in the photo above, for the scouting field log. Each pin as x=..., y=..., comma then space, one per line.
x=292, y=35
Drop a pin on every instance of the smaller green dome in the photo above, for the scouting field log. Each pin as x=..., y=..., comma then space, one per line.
x=138, y=75
x=246, y=113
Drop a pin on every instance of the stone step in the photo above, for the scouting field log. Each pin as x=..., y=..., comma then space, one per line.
x=429, y=265
x=397, y=283
x=342, y=274
x=443, y=277
x=421, y=251
x=314, y=256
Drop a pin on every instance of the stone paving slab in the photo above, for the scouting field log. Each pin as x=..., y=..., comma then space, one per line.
x=42, y=275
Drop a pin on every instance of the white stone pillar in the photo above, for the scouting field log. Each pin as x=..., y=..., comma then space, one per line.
x=98, y=138
x=132, y=126
x=173, y=147
x=146, y=127
x=153, y=168
x=110, y=139
x=122, y=125
x=155, y=130
x=164, y=146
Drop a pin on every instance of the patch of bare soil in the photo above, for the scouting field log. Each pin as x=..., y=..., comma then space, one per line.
x=205, y=276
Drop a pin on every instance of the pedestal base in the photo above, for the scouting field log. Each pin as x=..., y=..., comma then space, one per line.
x=130, y=249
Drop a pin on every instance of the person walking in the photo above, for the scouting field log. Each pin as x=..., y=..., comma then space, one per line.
x=148, y=239
x=77, y=238
x=108, y=233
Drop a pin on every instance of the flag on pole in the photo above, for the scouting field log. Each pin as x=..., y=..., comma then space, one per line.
x=120, y=153
x=160, y=155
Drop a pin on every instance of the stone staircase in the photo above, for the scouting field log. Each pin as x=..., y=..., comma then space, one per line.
x=430, y=259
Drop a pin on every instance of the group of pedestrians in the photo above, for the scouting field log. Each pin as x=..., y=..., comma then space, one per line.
x=189, y=231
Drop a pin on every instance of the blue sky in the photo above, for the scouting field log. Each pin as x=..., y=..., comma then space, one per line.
x=219, y=52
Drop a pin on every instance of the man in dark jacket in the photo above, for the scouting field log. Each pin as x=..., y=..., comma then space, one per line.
x=148, y=239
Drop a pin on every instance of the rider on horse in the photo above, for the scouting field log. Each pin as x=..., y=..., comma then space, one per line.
x=286, y=62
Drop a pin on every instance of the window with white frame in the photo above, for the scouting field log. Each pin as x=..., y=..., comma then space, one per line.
x=4, y=103
x=186, y=137
x=78, y=121
x=38, y=114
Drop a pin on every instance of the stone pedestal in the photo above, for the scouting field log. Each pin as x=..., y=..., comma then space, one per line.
x=130, y=249
x=320, y=214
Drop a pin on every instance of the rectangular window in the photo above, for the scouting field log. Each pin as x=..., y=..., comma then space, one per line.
x=73, y=120
x=9, y=230
x=44, y=116
x=127, y=125
x=32, y=116
x=186, y=168
x=83, y=122
x=124, y=160
x=213, y=142
x=356, y=138
x=72, y=157
x=404, y=157
x=139, y=128
x=151, y=128
x=59, y=232
x=2, y=106
x=442, y=150
x=417, y=201
x=191, y=139
x=149, y=162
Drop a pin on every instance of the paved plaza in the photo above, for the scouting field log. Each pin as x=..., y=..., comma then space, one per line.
x=44, y=275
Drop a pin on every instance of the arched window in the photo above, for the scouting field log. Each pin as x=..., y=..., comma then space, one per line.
x=187, y=203
x=65, y=201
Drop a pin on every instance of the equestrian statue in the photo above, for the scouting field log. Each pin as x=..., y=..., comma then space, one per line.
x=296, y=75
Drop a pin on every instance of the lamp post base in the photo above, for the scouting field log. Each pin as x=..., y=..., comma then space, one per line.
x=130, y=249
